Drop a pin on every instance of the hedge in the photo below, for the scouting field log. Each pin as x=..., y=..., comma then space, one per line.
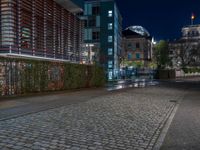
x=165, y=74
x=191, y=70
x=22, y=76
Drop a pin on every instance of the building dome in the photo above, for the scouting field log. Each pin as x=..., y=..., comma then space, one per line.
x=139, y=29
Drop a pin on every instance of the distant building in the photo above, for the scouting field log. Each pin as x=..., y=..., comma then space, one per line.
x=191, y=32
x=102, y=35
x=182, y=49
x=137, y=45
x=41, y=29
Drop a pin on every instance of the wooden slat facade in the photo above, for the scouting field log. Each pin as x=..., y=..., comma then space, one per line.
x=39, y=28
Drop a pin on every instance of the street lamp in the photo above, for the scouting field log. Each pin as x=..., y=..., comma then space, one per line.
x=89, y=46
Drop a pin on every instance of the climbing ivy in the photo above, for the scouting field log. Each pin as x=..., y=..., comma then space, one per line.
x=41, y=76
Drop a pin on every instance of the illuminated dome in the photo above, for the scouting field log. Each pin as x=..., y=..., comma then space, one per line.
x=139, y=29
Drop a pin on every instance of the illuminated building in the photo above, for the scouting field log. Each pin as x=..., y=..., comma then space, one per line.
x=137, y=45
x=187, y=48
x=41, y=29
x=103, y=35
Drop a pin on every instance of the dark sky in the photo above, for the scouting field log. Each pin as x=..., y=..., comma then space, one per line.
x=162, y=18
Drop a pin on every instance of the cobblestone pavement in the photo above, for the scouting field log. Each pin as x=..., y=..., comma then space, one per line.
x=130, y=120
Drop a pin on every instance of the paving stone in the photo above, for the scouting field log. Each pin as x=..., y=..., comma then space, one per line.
x=123, y=120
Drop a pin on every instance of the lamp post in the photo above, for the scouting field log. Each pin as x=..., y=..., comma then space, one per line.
x=89, y=48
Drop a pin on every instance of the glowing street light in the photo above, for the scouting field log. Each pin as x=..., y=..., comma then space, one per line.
x=192, y=18
x=89, y=51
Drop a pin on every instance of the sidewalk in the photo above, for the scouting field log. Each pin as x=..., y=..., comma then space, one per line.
x=184, y=132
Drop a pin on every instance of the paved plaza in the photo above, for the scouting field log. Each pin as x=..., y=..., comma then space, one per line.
x=124, y=120
x=184, y=132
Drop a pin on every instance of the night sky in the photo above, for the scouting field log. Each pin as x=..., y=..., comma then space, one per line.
x=162, y=18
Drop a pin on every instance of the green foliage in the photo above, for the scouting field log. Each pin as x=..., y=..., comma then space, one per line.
x=98, y=78
x=191, y=70
x=161, y=54
x=77, y=77
x=40, y=76
x=135, y=64
x=152, y=65
x=139, y=64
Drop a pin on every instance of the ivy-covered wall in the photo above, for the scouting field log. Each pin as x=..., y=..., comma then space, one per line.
x=22, y=76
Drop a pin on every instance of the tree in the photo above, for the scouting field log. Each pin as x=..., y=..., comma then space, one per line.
x=161, y=54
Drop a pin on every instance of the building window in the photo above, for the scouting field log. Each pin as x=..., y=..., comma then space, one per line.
x=130, y=57
x=129, y=45
x=88, y=9
x=95, y=35
x=95, y=10
x=110, y=13
x=98, y=22
x=171, y=52
x=87, y=34
x=110, y=39
x=110, y=26
x=92, y=22
x=138, y=56
x=110, y=64
x=137, y=45
x=26, y=37
x=110, y=75
x=110, y=51
x=197, y=33
x=85, y=23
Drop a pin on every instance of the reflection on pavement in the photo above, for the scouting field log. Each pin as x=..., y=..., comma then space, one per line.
x=136, y=83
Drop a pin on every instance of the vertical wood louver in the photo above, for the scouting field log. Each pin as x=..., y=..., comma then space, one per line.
x=39, y=28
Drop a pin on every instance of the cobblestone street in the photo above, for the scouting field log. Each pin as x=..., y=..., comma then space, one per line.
x=126, y=120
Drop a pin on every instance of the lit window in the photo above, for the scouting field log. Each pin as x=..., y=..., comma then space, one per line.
x=110, y=64
x=110, y=26
x=110, y=39
x=110, y=13
x=110, y=51
x=138, y=56
x=130, y=56
x=110, y=75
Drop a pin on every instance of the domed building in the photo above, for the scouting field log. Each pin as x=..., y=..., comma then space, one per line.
x=191, y=32
x=139, y=29
x=185, y=51
x=137, y=45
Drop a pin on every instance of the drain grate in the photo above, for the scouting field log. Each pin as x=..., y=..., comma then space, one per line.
x=173, y=101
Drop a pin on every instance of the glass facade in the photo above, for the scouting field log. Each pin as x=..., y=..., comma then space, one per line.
x=109, y=25
x=110, y=39
x=110, y=51
x=110, y=64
